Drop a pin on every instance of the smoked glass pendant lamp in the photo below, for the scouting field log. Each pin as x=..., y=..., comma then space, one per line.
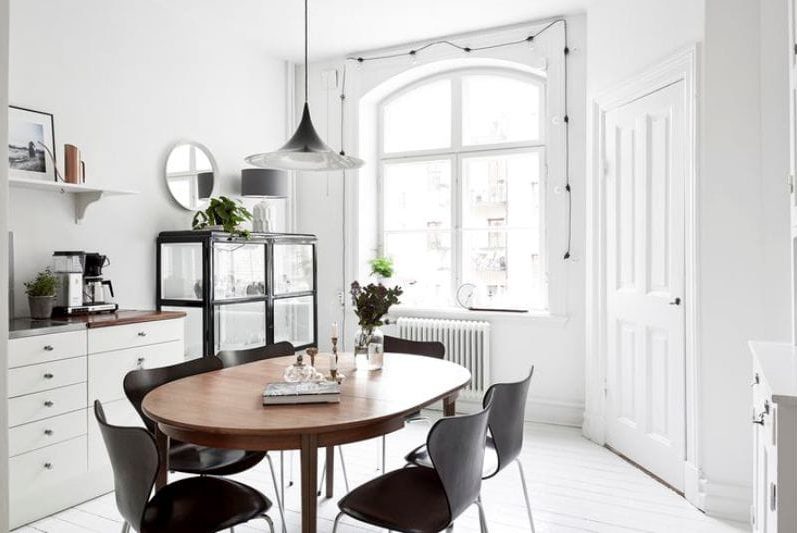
x=305, y=150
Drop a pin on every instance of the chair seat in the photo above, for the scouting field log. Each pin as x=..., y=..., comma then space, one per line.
x=202, y=505
x=420, y=457
x=193, y=459
x=411, y=500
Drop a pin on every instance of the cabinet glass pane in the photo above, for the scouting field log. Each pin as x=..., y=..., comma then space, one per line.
x=181, y=271
x=294, y=320
x=239, y=270
x=240, y=326
x=293, y=268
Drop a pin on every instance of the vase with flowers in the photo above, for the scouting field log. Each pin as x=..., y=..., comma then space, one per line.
x=371, y=303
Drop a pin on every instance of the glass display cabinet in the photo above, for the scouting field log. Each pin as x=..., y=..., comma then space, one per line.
x=239, y=293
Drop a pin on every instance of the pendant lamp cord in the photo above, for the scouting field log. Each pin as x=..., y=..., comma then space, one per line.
x=306, y=46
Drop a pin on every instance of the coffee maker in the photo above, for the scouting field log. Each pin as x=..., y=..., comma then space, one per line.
x=83, y=289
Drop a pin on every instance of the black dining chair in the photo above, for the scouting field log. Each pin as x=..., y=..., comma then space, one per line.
x=192, y=505
x=427, y=499
x=505, y=440
x=434, y=349
x=183, y=456
x=250, y=355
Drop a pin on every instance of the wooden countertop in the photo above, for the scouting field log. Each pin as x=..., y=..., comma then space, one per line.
x=122, y=317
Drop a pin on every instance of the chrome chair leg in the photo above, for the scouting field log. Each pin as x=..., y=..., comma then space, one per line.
x=282, y=475
x=343, y=467
x=125, y=528
x=271, y=523
x=525, y=493
x=337, y=520
x=323, y=476
x=280, y=501
x=384, y=453
x=482, y=517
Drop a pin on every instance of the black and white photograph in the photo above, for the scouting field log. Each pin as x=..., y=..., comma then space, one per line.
x=30, y=138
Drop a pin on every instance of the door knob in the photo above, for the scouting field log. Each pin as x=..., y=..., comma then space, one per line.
x=676, y=301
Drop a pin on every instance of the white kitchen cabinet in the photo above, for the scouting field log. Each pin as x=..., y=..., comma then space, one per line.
x=57, y=456
x=774, y=424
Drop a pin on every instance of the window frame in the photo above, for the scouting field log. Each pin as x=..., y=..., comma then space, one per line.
x=456, y=152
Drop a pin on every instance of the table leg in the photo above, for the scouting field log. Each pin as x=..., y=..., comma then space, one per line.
x=309, y=459
x=450, y=404
x=162, y=443
x=330, y=471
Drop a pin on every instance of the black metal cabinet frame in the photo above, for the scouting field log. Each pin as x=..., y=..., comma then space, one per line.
x=208, y=303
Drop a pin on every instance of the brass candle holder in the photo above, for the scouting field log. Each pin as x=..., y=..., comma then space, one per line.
x=337, y=376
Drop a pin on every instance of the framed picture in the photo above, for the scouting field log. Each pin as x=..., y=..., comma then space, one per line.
x=31, y=144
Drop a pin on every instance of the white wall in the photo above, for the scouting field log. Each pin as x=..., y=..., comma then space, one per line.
x=742, y=202
x=3, y=266
x=554, y=346
x=125, y=80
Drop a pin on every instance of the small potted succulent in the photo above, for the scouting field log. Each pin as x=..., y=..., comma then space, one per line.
x=224, y=213
x=381, y=267
x=41, y=294
x=371, y=303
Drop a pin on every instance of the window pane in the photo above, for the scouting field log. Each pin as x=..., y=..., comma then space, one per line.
x=497, y=109
x=419, y=119
x=422, y=261
x=501, y=190
x=417, y=195
x=506, y=267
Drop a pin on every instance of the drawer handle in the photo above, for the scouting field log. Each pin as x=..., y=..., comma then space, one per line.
x=48, y=376
x=48, y=432
x=756, y=380
x=48, y=348
x=140, y=361
x=48, y=466
x=48, y=403
x=142, y=333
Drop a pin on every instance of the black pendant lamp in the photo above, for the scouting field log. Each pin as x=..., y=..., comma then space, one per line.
x=305, y=150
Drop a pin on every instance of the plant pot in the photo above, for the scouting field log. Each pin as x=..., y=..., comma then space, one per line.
x=369, y=348
x=41, y=307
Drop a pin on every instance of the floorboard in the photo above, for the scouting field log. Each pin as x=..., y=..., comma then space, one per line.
x=575, y=486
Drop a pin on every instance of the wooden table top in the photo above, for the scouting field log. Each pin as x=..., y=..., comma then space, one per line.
x=229, y=401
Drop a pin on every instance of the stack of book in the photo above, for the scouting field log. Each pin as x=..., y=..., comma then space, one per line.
x=295, y=393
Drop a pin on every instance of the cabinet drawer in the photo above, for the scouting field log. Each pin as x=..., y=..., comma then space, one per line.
x=107, y=370
x=41, y=405
x=45, y=376
x=41, y=348
x=118, y=413
x=35, y=435
x=132, y=335
x=47, y=468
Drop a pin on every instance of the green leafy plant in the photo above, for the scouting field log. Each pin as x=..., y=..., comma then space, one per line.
x=44, y=284
x=223, y=212
x=372, y=302
x=382, y=266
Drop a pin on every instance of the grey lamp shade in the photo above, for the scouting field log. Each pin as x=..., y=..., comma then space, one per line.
x=264, y=183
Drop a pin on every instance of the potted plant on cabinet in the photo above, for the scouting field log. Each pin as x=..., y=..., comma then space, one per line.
x=371, y=304
x=41, y=294
x=223, y=213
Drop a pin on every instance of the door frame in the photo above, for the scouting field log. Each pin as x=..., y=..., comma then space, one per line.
x=679, y=67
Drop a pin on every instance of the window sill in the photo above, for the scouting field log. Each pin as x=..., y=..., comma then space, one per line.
x=457, y=313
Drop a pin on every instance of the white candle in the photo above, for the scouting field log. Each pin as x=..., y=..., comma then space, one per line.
x=334, y=329
x=333, y=365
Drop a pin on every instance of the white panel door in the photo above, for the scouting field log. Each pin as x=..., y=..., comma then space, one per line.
x=645, y=177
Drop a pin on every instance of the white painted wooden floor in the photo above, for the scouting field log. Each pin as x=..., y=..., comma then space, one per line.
x=575, y=486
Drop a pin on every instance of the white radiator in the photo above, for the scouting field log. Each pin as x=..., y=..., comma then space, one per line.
x=467, y=343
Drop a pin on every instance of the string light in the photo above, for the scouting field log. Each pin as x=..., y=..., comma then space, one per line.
x=564, y=120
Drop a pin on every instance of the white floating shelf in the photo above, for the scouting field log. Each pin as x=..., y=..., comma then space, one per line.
x=84, y=195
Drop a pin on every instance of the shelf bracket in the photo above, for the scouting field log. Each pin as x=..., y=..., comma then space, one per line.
x=82, y=201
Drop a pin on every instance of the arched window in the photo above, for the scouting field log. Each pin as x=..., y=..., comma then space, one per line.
x=462, y=166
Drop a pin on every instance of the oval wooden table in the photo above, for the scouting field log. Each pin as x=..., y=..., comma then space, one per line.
x=224, y=409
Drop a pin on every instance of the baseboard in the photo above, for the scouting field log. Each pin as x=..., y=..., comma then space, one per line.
x=594, y=427
x=557, y=412
x=692, y=485
x=725, y=500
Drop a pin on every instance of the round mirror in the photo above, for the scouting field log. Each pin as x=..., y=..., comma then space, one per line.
x=191, y=175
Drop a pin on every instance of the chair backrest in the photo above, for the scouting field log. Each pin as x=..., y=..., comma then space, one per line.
x=240, y=357
x=138, y=383
x=135, y=463
x=456, y=448
x=506, y=418
x=428, y=348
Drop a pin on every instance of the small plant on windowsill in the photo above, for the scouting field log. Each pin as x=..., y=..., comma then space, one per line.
x=382, y=267
x=41, y=292
x=223, y=212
